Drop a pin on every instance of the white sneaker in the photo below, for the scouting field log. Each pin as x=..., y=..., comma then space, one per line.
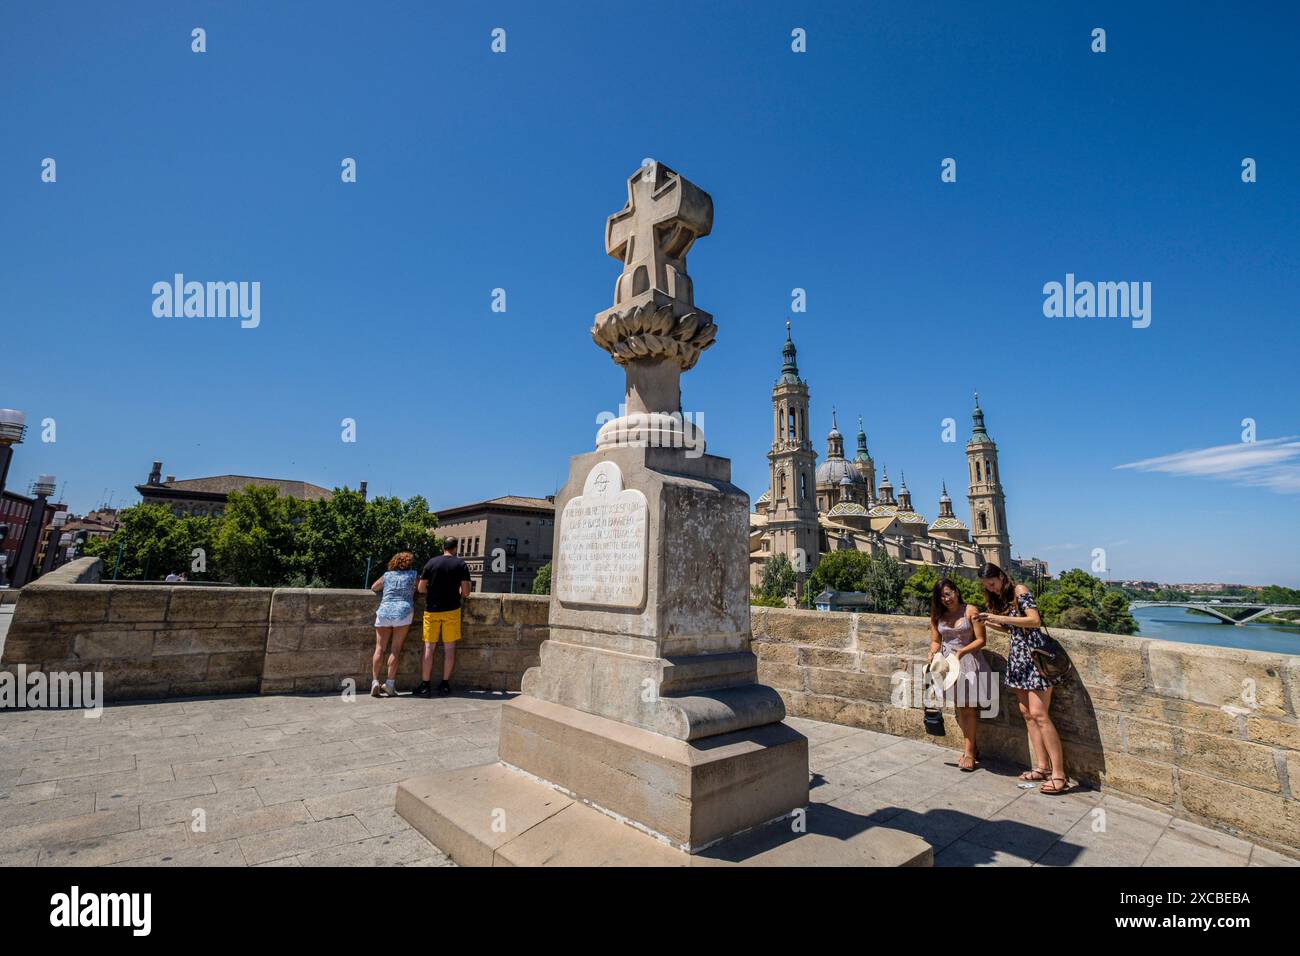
x=390, y=690
x=374, y=689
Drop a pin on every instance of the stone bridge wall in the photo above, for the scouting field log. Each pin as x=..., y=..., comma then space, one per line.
x=1211, y=732
x=153, y=640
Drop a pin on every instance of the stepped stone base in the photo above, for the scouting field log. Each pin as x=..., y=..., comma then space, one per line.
x=689, y=793
x=494, y=815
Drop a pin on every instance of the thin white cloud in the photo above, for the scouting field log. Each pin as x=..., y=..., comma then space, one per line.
x=1273, y=463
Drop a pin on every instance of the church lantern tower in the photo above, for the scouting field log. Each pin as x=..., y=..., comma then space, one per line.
x=988, y=509
x=885, y=495
x=904, y=496
x=864, y=465
x=792, y=506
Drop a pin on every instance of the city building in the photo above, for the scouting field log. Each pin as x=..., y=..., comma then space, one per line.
x=206, y=497
x=810, y=509
x=15, y=513
x=505, y=541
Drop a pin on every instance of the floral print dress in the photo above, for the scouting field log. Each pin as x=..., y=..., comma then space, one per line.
x=1021, y=672
x=396, y=607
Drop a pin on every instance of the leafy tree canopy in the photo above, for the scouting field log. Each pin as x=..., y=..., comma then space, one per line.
x=542, y=582
x=778, y=579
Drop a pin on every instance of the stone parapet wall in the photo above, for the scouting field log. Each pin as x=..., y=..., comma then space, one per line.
x=318, y=638
x=152, y=640
x=1210, y=732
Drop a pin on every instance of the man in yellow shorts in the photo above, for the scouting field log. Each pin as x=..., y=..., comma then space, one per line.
x=444, y=582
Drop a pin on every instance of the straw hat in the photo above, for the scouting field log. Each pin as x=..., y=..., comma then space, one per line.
x=947, y=665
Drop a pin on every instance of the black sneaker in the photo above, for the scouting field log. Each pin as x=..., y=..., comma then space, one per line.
x=423, y=689
x=444, y=688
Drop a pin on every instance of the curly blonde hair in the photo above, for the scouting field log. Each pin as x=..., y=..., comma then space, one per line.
x=401, y=561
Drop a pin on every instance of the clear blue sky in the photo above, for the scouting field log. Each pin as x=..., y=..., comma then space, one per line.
x=479, y=170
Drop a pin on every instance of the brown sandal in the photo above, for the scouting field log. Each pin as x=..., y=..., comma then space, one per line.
x=1036, y=774
x=963, y=766
x=1054, y=789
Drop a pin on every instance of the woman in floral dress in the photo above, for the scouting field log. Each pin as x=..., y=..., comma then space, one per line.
x=1011, y=607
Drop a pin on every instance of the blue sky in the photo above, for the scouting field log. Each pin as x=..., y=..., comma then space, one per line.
x=479, y=171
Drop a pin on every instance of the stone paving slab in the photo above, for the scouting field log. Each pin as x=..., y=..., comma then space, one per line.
x=311, y=780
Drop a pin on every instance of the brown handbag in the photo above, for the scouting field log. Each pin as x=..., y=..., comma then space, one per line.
x=1051, y=661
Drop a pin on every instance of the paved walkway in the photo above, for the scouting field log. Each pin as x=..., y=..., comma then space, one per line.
x=310, y=780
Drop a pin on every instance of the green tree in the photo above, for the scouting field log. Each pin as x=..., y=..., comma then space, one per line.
x=758, y=599
x=881, y=578
x=840, y=570
x=778, y=579
x=338, y=536
x=1276, y=594
x=885, y=581
x=1113, y=615
x=1078, y=618
x=153, y=541
x=1107, y=609
x=542, y=582
x=919, y=589
x=257, y=541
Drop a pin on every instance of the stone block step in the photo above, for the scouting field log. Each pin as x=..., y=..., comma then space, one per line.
x=494, y=815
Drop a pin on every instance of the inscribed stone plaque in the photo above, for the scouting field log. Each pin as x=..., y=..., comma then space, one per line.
x=603, y=542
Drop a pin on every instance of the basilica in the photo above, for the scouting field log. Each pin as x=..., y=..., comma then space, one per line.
x=810, y=509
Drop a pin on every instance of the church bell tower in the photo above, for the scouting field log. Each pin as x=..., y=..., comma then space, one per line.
x=792, y=508
x=988, y=510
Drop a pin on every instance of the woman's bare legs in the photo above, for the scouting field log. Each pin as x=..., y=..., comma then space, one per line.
x=382, y=634
x=395, y=655
x=968, y=720
x=1048, y=740
x=1040, y=769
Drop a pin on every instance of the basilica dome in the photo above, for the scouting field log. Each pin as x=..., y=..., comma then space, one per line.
x=833, y=470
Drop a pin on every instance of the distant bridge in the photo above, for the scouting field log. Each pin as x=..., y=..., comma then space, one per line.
x=1217, y=610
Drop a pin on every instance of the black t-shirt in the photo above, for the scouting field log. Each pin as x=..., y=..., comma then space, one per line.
x=444, y=575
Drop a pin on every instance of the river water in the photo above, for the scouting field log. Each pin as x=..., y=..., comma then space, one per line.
x=1180, y=624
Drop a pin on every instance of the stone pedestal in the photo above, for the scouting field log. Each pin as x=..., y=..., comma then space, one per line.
x=646, y=703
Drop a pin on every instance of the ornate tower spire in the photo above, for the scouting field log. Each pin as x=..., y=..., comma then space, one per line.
x=834, y=440
x=945, y=503
x=978, y=434
x=904, y=496
x=789, y=370
x=886, y=494
x=863, y=464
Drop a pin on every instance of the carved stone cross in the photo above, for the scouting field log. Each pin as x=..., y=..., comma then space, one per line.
x=654, y=319
x=653, y=329
x=651, y=235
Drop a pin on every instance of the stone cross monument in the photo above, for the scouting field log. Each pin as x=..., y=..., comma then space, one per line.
x=645, y=709
x=646, y=703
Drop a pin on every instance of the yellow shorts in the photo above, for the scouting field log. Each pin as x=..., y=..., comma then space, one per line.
x=442, y=626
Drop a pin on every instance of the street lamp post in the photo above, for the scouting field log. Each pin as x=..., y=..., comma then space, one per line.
x=43, y=488
x=54, y=541
x=13, y=427
x=511, y=548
